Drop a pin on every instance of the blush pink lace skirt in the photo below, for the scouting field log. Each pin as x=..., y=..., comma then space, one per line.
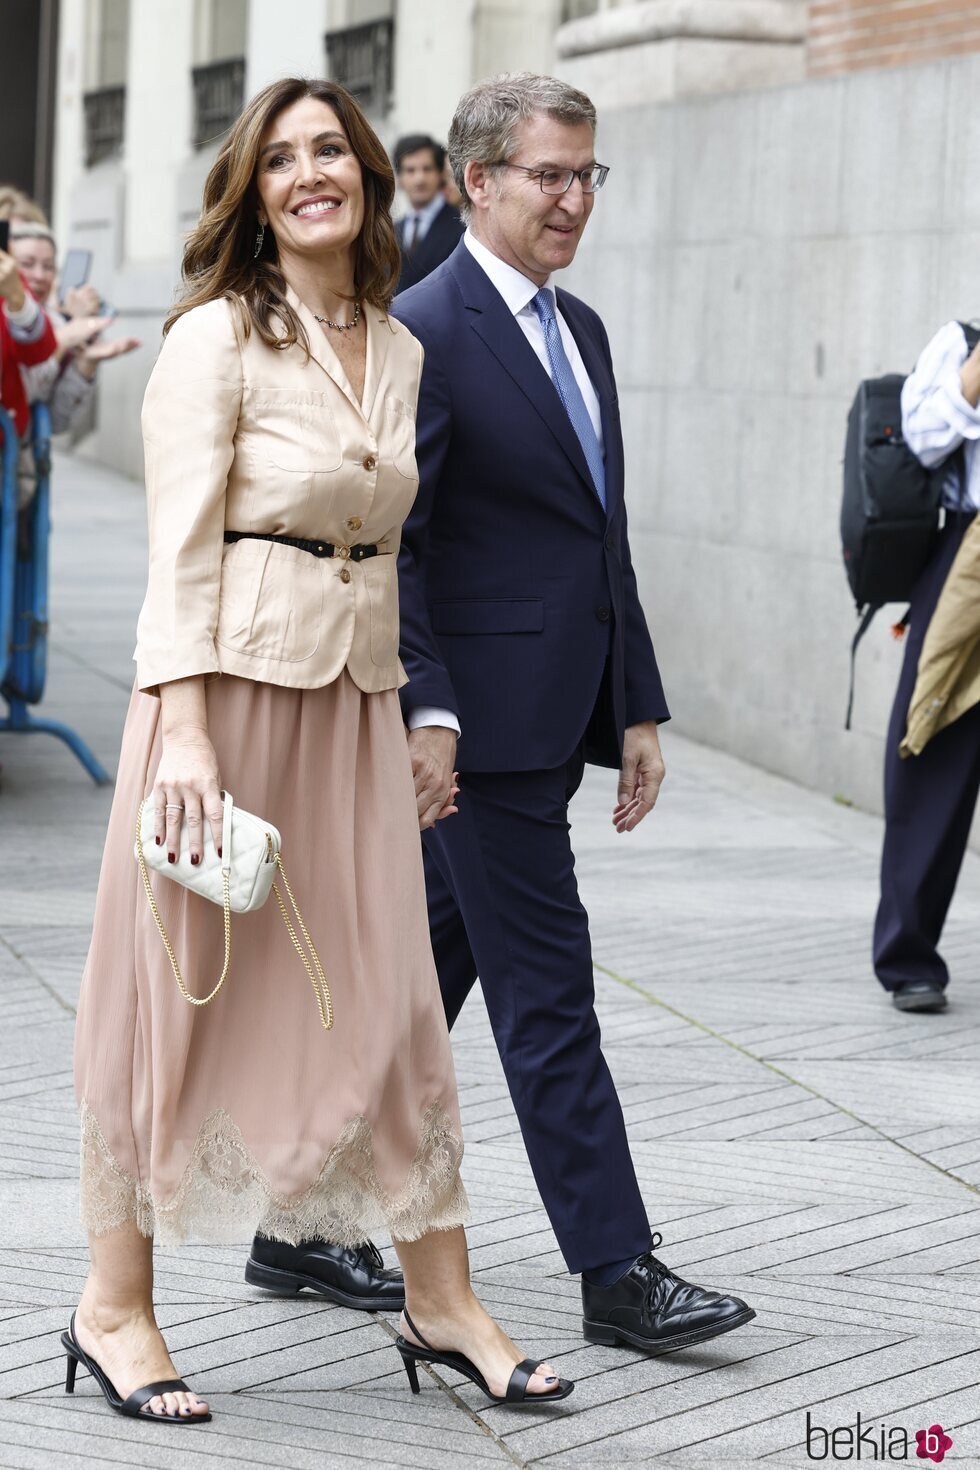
x=213, y=1121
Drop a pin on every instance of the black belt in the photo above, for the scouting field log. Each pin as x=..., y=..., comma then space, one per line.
x=315, y=548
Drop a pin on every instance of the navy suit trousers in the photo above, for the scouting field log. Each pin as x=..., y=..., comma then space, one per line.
x=929, y=804
x=504, y=905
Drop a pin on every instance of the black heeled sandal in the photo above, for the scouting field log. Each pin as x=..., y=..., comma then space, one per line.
x=516, y=1388
x=133, y=1406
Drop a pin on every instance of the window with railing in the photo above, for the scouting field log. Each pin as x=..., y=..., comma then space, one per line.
x=105, y=67
x=219, y=91
x=105, y=118
x=360, y=58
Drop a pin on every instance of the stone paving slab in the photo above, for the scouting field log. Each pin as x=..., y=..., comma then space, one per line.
x=798, y=1141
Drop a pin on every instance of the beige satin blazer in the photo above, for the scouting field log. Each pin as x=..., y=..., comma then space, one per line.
x=242, y=437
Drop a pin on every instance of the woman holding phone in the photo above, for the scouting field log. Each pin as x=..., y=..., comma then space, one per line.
x=279, y=430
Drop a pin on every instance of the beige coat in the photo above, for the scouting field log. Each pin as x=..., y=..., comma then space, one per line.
x=948, y=680
x=242, y=437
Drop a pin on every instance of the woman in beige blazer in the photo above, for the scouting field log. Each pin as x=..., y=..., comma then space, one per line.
x=279, y=430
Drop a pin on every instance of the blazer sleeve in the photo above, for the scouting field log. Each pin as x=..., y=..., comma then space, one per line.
x=428, y=678
x=645, y=698
x=190, y=416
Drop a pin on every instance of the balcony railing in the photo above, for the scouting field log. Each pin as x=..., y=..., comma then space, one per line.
x=360, y=59
x=219, y=91
x=105, y=116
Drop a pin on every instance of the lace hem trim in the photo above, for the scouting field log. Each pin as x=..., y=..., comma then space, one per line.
x=223, y=1196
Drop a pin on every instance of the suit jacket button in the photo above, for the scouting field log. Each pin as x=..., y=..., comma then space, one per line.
x=345, y=574
x=602, y=613
x=354, y=523
x=369, y=462
x=610, y=542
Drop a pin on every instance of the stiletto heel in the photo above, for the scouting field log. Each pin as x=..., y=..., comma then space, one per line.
x=134, y=1406
x=516, y=1388
x=412, y=1371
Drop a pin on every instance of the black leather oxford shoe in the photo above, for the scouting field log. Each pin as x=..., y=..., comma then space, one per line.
x=352, y=1278
x=919, y=995
x=652, y=1308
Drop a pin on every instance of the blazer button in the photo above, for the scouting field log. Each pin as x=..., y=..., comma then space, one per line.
x=369, y=462
x=345, y=574
x=355, y=523
x=602, y=613
x=610, y=542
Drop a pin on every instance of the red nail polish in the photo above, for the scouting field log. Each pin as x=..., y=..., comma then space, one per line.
x=159, y=841
x=219, y=851
x=171, y=857
x=195, y=860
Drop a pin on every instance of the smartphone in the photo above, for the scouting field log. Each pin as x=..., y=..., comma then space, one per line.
x=4, y=234
x=75, y=271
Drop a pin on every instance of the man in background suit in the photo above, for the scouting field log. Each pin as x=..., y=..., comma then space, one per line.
x=431, y=229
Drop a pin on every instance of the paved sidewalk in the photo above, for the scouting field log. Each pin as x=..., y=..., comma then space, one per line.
x=797, y=1140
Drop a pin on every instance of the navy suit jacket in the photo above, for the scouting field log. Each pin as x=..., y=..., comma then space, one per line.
x=517, y=590
x=440, y=241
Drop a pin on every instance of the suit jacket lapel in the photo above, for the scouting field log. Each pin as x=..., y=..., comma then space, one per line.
x=495, y=325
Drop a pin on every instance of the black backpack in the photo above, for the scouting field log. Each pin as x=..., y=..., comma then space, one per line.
x=889, y=516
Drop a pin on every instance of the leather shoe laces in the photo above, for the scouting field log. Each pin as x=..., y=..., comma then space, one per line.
x=657, y=1274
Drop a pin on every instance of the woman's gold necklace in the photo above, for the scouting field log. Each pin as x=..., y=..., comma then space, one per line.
x=341, y=326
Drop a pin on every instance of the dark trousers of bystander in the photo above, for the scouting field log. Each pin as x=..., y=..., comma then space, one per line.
x=929, y=804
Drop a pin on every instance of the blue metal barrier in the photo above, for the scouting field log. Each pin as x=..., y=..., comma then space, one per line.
x=24, y=552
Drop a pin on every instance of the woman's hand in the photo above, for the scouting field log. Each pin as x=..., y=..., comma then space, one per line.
x=80, y=331
x=11, y=286
x=88, y=359
x=187, y=789
x=81, y=301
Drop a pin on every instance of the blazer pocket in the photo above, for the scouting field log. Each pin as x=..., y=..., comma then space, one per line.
x=381, y=579
x=270, y=602
x=473, y=616
x=400, y=436
x=297, y=431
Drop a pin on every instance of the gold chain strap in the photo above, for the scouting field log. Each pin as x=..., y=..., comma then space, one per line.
x=226, y=884
x=318, y=980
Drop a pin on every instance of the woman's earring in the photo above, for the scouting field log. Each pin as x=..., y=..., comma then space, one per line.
x=259, y=237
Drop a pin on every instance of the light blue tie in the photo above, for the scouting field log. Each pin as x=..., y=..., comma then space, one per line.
x=569, y=391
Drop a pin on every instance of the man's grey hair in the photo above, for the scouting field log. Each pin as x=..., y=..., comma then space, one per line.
x=484, y=127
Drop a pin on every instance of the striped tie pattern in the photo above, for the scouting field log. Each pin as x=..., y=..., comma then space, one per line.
x=569, y=391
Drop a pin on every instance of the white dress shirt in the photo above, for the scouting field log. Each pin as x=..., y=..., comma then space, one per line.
x=518, y=292
x=936, y=418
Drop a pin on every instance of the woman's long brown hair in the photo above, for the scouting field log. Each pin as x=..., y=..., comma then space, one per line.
x=219, y=257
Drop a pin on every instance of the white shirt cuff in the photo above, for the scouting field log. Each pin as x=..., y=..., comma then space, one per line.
x=430, y=714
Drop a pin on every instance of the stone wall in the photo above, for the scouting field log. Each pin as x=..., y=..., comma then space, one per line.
x=754, y=256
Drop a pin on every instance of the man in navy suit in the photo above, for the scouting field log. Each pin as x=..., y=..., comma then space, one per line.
x=430, y=230
x=522, y=629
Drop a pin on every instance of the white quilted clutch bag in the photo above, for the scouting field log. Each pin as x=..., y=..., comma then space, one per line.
x=238, y=881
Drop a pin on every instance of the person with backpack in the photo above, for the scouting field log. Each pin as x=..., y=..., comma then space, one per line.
x=930, y=796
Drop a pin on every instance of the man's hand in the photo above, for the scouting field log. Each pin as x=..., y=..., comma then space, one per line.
x=433, y=751
x=640, y=777
x=11, y=286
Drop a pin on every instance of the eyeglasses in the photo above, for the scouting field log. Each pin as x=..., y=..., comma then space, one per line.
x=560, y=180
